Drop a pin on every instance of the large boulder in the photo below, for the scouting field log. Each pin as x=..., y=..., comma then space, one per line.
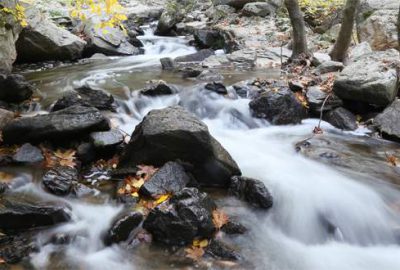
x=167, y=22
x=122, y=227
x=43, y=40
x=174, y=133
x=9, y=33
x=64, y=124
x=371, y=78
x=14, y=88
x=21, y=215
x=279, y=108
x=380, y=30
x=107, y=40
x=388, y=121
x=342, y=119
x=5, y=117
x=233, y=3
x=186, y=216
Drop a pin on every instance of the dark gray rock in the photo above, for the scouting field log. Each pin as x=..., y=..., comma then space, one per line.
x=296, y=86
x=252, y=191
x=65, y=124
x=342, y=119
x=16, y=247
x=122, y=227
x=388, y=121
x=22, y=215
x=188, y=215
x=28, y=153
x=104, y=139
x=215, y=87
x=5, y=117
x=86, y=96
x=210, y=76
x=86, y=153
x=14, y=88
x=174, y=133
x=190, y=72
x=195, y=57
x=215, y=39
x=238, y=4
x=59, y=180
x=167, y=63
x=262, y=9
x=316, y=97
x=167, y=22
x=159, y=89
x=233, y=228
x=279, y=108
x=169, y=179
x=220, y=250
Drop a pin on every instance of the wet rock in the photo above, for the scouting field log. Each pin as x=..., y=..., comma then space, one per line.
x=86, y=152
x=279, y=108
x=388, y=121
x=167, y=63
x=106, y=139
x=220, y=250
x=342, y=119
x=28, y=153
x=15, y=248
x=59, y=180
x=167, y=22
x=14, y=88
x=218, y=88
x=158, y=89
x=69, y=123
x=190, y=72
x=245, y=89
x=262, y=9
x=296, y=86
x=210, y=76
x=86, y=96
x=316, y=97
x=123, y=226
x=329, y=66
x=186, y=216
x=3, y=187
x=252, y=191
x=174, y=133
x=199, y=56
x=20, y=215
x=5, y=117
x=43, y=40
x=233, y=3
x=215, y=39
x=370, y=79
x=169, y=179
x=80, y=191
x=233, y=228
x=380, y=30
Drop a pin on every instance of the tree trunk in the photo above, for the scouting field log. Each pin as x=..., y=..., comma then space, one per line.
x=343, y=41
x=299, y=29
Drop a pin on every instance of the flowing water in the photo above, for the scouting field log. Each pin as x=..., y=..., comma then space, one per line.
x=322, y=218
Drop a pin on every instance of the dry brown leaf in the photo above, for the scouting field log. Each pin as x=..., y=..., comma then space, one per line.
x=219, y=218
x=392, y=160
x=194, y=253
x=146, y=170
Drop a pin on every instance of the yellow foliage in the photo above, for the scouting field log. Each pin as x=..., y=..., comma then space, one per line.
x=320, y=8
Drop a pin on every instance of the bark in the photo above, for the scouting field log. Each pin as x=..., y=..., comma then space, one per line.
x=299, y=29
x=343, y=41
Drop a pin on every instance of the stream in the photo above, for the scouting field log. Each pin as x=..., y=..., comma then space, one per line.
x=364, y=225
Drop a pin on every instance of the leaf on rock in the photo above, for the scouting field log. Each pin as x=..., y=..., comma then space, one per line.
x=162, y=199
x=219, y=218
x=194, y=253
x=392, y=160
x=302, y=99
x=200, y=243
x=147, y=171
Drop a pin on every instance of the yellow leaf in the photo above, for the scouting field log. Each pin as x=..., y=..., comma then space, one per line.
x=162, y=198
x=200, y=243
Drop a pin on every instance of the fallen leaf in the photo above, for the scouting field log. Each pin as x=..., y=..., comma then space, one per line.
x=146, y=170
x=66, y=158
x=200, y=243
x=219, y=218
x=2, y=261
x=391, y=159
x=162, y=199
x=194, y=253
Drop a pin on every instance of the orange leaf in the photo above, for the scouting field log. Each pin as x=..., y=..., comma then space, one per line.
x=391, y=159
x=194, y=253
x=219, y=218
